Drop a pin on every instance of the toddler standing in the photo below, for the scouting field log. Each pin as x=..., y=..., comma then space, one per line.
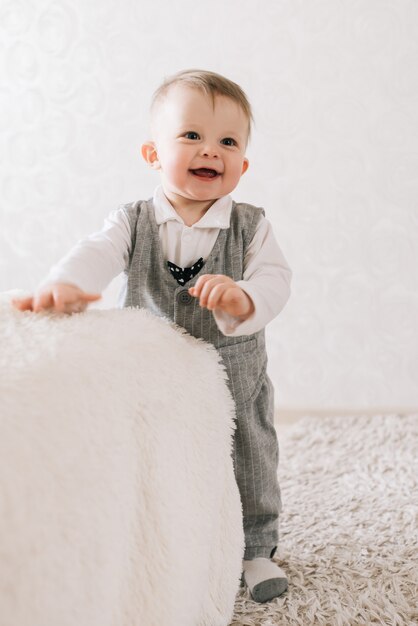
x=193, y=255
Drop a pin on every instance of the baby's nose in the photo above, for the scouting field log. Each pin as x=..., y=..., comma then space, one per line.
x=210, y=151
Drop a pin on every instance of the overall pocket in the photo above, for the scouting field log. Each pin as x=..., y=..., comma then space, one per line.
x=246, y=366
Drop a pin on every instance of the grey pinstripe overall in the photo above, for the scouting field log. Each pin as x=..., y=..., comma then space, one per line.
x=150, y=285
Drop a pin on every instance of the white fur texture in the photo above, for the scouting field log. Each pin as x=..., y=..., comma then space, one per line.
x=118, y=503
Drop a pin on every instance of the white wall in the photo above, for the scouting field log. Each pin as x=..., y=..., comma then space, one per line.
x=334, y=160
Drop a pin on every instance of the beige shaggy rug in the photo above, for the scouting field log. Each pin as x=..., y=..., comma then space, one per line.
x=349, y=527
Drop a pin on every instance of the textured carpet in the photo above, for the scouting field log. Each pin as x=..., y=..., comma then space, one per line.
x=349, y=526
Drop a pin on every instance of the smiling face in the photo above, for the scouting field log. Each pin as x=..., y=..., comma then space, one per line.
x=199, y=146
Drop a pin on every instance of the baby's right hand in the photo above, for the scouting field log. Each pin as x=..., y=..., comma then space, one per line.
x=58, y=297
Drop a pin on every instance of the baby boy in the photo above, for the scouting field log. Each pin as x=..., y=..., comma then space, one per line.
x=213, y=266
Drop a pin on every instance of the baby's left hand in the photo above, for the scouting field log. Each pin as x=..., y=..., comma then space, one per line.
x=216, y=291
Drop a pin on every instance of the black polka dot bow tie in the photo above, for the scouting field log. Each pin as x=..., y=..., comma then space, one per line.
x=183, y=275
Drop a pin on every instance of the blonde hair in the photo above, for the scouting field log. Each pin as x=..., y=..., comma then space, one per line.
x=211, y=84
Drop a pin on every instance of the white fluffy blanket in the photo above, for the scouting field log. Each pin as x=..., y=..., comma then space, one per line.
x=118, y=503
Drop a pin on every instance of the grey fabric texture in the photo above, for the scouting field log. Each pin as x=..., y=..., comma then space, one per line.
x=150, y=285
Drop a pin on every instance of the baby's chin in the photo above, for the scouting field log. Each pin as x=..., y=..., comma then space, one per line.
x=195, y=190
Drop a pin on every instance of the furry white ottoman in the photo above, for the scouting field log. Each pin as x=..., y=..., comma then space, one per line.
x=118, y=503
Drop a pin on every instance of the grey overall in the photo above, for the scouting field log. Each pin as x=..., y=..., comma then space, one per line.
x=150, y=285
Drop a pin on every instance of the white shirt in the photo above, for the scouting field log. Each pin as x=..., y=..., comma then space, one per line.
x=97, y=259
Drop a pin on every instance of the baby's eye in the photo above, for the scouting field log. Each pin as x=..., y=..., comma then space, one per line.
x=228, y=141
x=191, y=135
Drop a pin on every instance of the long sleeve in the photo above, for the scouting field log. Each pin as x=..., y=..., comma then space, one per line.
x=94, y=261
x=266, y=279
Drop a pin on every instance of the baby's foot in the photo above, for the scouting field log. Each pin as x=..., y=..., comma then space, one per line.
x=264, y=579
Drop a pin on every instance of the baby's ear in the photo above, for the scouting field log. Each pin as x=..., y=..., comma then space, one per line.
x=149, y=153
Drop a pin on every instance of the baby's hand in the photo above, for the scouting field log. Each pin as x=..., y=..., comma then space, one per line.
x=59, y=297
x=217, y=291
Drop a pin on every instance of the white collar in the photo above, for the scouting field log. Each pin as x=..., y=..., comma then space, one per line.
x=217, y=216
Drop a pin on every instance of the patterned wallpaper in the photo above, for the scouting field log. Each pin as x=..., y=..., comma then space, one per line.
x=334, y=160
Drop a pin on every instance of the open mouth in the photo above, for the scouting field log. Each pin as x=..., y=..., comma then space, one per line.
x=205, y=172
